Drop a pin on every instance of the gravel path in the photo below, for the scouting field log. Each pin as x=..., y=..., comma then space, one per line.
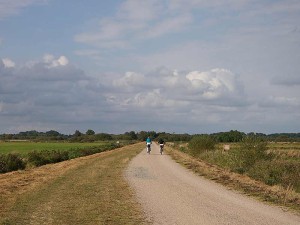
x=170, y=194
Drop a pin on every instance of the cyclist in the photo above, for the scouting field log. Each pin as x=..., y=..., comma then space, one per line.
x=161, y=143
x=148, y=143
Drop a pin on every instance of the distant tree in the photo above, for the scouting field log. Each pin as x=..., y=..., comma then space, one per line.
x=142, y=135
x=103, y=137
x=77, y=133
x=90, y=132
x=231, y=136
x=6, y=136
x=52, y=133
x=133, y=135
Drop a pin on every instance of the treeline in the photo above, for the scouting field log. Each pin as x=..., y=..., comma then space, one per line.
x=91, y=136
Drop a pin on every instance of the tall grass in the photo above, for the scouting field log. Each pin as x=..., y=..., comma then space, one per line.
x=252, y=158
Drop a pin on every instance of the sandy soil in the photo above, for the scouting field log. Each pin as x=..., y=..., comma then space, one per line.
x=170, y=194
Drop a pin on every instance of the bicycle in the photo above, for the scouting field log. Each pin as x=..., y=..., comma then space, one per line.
x=148, y=148
x=161, y=148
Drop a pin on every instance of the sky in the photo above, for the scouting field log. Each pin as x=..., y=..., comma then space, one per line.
x=197, y=66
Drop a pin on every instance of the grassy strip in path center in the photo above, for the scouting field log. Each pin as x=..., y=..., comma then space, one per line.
x=95, y=192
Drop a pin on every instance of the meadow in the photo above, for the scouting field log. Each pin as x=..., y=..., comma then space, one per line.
x=23, y=147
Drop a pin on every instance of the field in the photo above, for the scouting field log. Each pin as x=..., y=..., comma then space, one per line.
x=86, y=190
x=25, y=147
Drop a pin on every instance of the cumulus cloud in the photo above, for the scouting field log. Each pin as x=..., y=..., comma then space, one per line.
x=52, y=62
x=50, y=93
x=8, y=63
x=213, y=84
x=167, y=88
x=130, y=79
x=64, y=97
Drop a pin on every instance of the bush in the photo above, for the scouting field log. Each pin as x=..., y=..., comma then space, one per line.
x=89, y=151
x=251, y=150
x=11, y=162
x=201, y=144
x=39, y=158
x=282, y=172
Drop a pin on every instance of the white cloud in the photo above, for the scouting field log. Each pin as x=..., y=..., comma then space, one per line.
x=130, y=79
x=134, y=21
x=213, y=84
x=63, y=97
x=168, y=88
x=154, y=99
x=280, y=102
x=13, y=7
x=63, y=61
x=87, y=52
x=52, y=62
x=8, y=63
x=136, y=10
x=168, y=26
x=42, y=95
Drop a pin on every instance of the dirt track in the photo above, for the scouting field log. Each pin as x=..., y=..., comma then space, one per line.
x=171, y=194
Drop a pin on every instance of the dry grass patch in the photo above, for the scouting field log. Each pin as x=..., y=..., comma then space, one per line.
x=272, y=194
x=88, y=190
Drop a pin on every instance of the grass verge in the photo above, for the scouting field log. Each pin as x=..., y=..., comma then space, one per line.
x=87, y=190
x=271, y=194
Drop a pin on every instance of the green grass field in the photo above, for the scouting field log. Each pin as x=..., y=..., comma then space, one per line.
x=25, y=147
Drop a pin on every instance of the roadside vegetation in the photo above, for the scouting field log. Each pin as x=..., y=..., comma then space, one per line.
x=275, y=165
x=17, y=161
x=253, y=157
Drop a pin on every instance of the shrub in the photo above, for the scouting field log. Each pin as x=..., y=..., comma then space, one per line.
x=251, y=150
x=39, y=158
x=281, y=172
x=58, y=156
x=201, y=144
x=11, y=162
x=89, y=151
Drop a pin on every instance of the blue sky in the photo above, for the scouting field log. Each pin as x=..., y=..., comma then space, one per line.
x=195, y=66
